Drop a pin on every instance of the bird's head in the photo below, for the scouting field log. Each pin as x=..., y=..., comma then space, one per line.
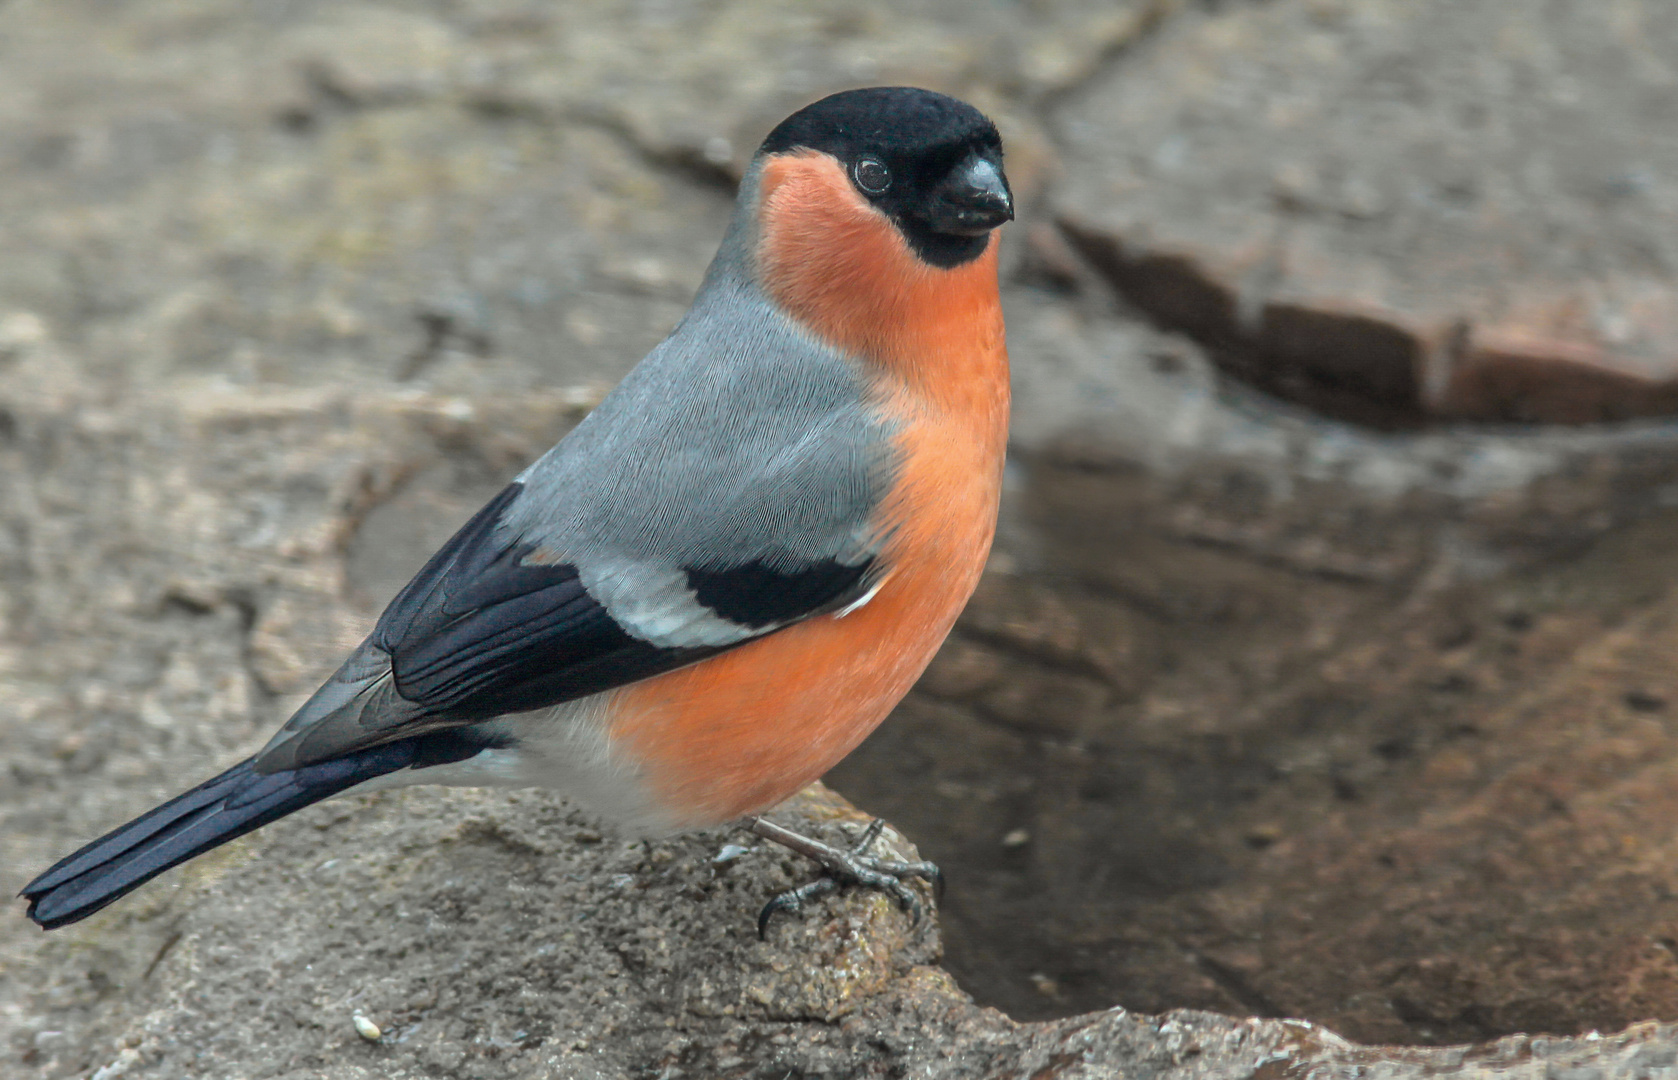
x=872, y=216
x=927, y=163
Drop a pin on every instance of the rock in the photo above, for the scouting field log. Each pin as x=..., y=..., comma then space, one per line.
x=1296, y=717
x=472, y=934
x=1395, y=211
x=490, y=199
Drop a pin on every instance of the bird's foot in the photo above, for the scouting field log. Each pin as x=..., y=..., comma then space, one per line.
x=843, y=868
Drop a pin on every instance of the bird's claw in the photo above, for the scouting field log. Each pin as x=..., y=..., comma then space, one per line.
x=844, y=868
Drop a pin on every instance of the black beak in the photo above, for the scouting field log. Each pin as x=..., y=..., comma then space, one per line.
x=972, y=200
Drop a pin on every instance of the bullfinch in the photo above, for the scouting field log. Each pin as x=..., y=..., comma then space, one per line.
x=732, y=569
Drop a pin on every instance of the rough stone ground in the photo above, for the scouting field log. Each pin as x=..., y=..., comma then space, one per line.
x=1257, y=712
x=1398, y=210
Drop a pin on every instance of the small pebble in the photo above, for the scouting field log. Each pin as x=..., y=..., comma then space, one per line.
x=366, y=1028
x=1017, y=838
x=729, y=853
x=21, y=328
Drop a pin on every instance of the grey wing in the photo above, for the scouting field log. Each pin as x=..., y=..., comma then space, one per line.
x=728, y=488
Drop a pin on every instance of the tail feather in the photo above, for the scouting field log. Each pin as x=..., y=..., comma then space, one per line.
x=216, y=811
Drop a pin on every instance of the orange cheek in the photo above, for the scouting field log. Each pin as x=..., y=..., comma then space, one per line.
x=841, y=268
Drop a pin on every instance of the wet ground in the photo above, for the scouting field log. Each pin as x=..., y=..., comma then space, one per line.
x=1164, y=771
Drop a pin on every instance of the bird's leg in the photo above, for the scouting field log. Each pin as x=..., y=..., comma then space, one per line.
x=853, y=867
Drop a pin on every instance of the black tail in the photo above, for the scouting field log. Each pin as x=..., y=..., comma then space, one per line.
x=216, y=811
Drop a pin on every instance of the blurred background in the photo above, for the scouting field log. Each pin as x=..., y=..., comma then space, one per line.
x=1324, y=667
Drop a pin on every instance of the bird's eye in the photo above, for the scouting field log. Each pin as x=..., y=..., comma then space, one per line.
x=872, y=176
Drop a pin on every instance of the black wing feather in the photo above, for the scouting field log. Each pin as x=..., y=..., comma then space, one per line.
x=759, y=595
x=481, y=632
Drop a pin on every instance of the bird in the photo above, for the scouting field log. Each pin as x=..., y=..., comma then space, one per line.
x=729, y=572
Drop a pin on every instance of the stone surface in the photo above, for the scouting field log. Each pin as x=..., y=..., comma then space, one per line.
x=646, y=967
x=491, y=195
x=1257, y=712
x=477, y=935
x=1396, y=211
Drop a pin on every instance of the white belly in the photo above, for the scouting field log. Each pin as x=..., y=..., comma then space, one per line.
x=565, y=749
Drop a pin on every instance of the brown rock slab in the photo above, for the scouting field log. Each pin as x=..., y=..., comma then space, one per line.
x=1397, y=211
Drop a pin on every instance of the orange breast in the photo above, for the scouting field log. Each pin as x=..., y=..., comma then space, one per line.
x=744, y=730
